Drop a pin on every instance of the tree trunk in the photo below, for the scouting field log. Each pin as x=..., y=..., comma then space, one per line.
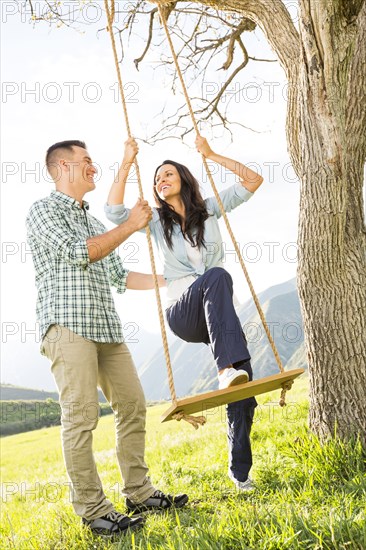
x=332, y=265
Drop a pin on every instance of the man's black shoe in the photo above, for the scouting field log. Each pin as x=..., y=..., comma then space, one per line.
x=113, y=524
x=157, y=501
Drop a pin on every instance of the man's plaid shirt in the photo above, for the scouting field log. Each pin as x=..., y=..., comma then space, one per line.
x=73, y=292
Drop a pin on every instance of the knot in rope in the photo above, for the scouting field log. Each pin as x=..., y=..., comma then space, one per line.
x=194, y=421
x=285, y=387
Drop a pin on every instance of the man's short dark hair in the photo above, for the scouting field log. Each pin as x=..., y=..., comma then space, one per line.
x=68, y=145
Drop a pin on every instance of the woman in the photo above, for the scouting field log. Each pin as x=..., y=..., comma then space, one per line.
x=200, y=291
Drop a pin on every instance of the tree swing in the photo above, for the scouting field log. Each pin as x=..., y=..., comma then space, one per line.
x=182, y=409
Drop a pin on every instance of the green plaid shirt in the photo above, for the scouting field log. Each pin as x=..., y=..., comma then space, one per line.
x=73, y=292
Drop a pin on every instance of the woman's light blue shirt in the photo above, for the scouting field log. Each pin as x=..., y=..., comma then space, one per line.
x=176, y=263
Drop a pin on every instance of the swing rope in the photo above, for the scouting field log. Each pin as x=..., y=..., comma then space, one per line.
x=195, y=421
x=286, y=386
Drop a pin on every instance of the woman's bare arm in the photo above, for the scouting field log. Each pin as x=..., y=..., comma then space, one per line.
x=117, y=191
x=143, y=281
x=248, y=178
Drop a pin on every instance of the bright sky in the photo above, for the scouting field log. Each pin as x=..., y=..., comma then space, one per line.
x=59, y=84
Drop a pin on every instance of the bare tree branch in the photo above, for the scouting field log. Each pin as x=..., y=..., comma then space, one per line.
x=262, y=60
x=202, y=34
x=274, y=20
x=54, y=14
x=149, y=38
x=227, y=83
x=235, y=36
x=197, y=56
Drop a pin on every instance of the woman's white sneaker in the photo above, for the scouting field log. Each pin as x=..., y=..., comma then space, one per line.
x=232, y=377
x=245, y=486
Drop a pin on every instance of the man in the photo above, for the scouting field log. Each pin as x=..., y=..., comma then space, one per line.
x=75, y=263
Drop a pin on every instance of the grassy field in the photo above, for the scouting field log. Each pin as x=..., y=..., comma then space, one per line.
x=307, y=497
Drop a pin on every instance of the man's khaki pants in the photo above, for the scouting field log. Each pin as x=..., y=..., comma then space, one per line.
x=79, y=366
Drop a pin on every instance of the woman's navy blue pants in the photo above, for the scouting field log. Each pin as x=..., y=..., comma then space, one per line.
x=205, y=313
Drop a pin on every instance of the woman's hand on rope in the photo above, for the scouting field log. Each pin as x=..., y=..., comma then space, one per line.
x=248, y=178
x=131, y=150
x=203, y=147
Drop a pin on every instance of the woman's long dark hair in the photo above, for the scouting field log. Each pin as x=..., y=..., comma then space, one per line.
x=195, y=208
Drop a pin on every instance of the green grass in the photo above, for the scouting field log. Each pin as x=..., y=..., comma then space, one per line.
x=308, y=496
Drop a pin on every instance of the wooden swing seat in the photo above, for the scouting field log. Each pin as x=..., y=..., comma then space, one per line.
x=210, y=400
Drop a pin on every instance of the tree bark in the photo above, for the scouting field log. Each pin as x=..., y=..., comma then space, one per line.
x=332, y=266
x=325, y=66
